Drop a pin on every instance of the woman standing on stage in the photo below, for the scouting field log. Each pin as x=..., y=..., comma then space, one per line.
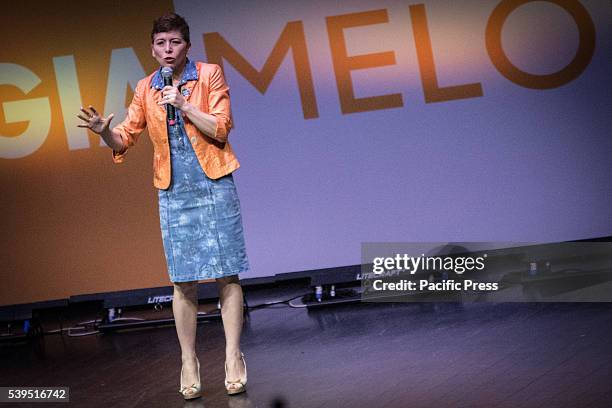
x=199, y=210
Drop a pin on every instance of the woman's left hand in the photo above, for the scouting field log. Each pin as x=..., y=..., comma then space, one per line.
x=172, y=96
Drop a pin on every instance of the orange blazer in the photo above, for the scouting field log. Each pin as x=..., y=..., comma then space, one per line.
x=210, y=94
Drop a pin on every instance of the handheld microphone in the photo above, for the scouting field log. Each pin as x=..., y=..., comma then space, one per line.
x=166, y=74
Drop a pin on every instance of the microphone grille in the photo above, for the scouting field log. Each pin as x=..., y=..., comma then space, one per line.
x=166, y=72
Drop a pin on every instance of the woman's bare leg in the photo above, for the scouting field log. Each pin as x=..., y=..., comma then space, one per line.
x=185, y=310
x=230, y=294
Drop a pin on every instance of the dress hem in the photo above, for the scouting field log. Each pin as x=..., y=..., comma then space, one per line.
x=215, y=276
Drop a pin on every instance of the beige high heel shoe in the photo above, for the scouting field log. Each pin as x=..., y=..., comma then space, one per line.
x=191, y=391
x=241, y=383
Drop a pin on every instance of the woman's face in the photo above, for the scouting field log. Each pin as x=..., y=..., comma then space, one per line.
x=170, y=49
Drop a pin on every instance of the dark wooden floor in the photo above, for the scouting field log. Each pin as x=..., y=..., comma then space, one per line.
x=360, y=355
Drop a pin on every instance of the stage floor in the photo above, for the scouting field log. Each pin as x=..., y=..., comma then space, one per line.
x=356, y=355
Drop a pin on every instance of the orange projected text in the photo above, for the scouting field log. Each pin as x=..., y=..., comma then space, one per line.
x=218, y=49
x=125, y=69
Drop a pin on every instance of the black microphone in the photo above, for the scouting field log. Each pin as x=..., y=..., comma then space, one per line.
x=166, y=74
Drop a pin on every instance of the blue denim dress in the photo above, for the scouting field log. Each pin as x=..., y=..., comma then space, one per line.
x=199, y=217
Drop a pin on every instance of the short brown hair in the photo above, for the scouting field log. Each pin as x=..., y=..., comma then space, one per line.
x=171, y=22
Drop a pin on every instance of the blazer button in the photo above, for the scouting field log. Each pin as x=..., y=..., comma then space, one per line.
x=194, y=141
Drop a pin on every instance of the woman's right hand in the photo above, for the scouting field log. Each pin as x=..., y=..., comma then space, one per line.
x=94, y=121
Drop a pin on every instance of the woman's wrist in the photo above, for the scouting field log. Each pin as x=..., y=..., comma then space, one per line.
x=113, y=140
x=205, y=122
x=187, y=108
